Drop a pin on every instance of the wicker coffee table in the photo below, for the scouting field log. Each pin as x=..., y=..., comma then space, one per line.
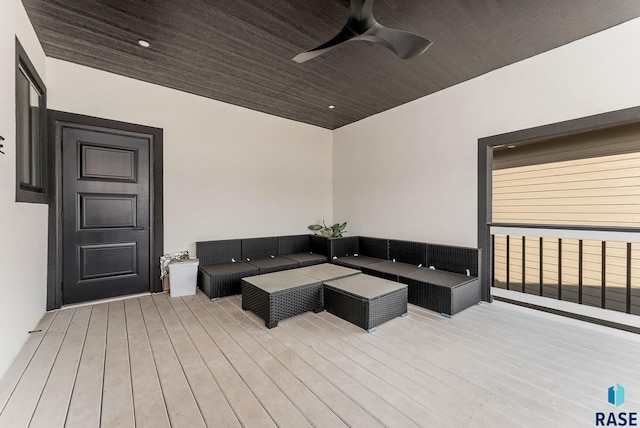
x=279, y=295
x=365, y=300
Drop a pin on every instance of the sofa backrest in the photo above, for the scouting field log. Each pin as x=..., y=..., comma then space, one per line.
x=218, y=252
x=319, y=244
x=294, y=244
x=453, y=259
x=345, y=246
x=374, y=247
x=414, y=253
x=258, y=248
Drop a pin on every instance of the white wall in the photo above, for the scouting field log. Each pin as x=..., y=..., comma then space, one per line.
x=229, y=172
x=23, y=227
x=411, y=172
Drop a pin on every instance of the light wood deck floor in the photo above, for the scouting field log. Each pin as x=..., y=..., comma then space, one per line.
x=156, y=361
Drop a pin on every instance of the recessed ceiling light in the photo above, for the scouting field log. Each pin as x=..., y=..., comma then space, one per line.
x=144, y=43
x=511, y=146
x=332, y=106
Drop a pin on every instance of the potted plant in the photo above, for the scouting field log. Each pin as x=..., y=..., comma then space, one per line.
x=334, y=231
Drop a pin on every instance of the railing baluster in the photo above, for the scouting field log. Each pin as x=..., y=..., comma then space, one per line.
x=604, y=274
x=541, y=270
x=628, y=277
x=508, y=258
x=493, y=260
x=523, y=265
x=580, y=271
x=559, y=268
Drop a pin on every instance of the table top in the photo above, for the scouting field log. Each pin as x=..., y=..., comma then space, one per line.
x=279, y=281
x=326, y=271
x=366, y=286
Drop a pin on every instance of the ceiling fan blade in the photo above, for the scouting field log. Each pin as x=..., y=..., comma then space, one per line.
x=343, y=36
x=406, y=45
x=361, y=25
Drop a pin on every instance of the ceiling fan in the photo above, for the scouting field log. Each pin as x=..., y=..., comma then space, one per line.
x=361, y=25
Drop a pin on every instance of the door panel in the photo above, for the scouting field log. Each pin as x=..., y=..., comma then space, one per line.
x=106, y=217
x=99, y=211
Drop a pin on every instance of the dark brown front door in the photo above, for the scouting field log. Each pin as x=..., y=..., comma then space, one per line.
x=106, y=217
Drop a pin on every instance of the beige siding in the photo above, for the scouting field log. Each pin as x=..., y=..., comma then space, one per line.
x=602, y=191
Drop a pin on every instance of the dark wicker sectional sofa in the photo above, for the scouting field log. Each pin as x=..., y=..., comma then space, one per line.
x=439, y=277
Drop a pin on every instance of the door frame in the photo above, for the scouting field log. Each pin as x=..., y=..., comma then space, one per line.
x=56, y=121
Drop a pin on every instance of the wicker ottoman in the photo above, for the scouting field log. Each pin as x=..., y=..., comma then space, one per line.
x=279, y=295
x=327, y=271
x=365, y=300
x=442, y=291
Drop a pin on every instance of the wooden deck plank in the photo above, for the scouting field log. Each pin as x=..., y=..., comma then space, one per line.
x=56, y=396
x=593, y=354
x=550, y=363
x=304, y=399
x=283, y=412
x=503, y=411
x=20, y=407
x=309, y=333
x=540, y=365
x=85, y=407
x=241, y=399
x=14, y=373
x=117, y=393
x=342, y=405
x=212, y=403
x=181, y=404
x=426, y=389
x=382, y=411
x=475, y=367
x=148, y=399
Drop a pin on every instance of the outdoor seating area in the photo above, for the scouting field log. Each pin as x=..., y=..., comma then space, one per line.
x=437, y=277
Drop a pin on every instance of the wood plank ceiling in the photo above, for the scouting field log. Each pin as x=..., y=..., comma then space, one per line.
x=240, y=51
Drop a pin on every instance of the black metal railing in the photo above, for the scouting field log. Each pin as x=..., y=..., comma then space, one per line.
x=592, y=266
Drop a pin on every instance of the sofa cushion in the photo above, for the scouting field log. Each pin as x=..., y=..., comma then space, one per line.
x=228, y=268
x=306, y=259
x=272, y=264
x=389, y=269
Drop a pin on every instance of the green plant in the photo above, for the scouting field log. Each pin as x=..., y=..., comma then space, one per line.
x=335, y=231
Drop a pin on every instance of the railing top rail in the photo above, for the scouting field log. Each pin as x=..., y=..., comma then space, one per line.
x=597, y=233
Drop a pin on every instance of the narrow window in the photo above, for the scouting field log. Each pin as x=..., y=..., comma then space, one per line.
x=30, y=131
